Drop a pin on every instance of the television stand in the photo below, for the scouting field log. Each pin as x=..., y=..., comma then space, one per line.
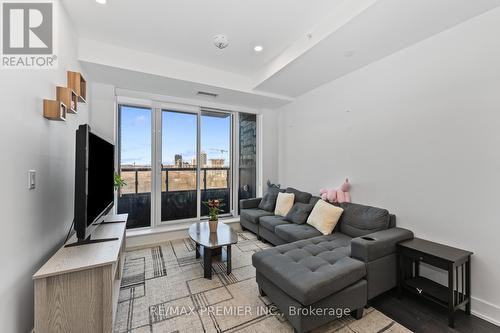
x=77, y=289
x=91, y=241
x=114, y=219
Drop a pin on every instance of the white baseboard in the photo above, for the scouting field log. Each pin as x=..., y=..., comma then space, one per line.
x=479, y=308
x=485, y=310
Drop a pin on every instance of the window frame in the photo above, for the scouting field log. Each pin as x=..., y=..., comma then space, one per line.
x=157, y=107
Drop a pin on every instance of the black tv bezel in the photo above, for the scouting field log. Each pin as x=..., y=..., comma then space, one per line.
x=84, y=231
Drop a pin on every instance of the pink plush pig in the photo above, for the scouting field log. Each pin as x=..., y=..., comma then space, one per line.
x=343, y=192
x=332, y=195
x=338, y=195
x=323, y=193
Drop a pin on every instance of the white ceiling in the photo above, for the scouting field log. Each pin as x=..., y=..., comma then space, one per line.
x=183, y=29
x=164, y=86
x=383, y=29
x=165, y=46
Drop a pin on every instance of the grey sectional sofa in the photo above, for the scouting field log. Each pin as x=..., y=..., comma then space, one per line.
x=311, y=271
x=275, y=229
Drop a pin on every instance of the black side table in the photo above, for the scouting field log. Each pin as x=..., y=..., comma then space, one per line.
x=455, y=261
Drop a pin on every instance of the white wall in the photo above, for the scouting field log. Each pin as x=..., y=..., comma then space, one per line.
x=102, y=117
x=34, y=223
x=269, y=145
x=418, y=133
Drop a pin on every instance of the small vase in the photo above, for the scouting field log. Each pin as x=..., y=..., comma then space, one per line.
x=213, y=225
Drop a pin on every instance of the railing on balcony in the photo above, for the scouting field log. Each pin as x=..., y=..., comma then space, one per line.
x=178, y=195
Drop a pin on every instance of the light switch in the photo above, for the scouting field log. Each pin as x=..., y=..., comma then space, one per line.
x=31, y=179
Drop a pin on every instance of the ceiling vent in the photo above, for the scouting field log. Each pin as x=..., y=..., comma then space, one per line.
x=207, y=94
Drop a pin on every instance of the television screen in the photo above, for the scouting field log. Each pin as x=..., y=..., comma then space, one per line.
x=94, y=183
x=100, y=172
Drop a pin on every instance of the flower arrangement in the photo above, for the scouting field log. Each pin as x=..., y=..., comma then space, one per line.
x=214, y=208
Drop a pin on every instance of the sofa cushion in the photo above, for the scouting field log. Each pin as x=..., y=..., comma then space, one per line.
x=324, y=217
x=300, y=196
x=311, y=269
x=270, y=222
x=284, y=203
x=314, y=200
x=299, y=213
x=253, y=214
x=293, y=232
x=359, y=220
x=268, y=201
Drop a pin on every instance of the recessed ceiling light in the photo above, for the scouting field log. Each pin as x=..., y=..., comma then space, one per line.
x=258, y=48
x=101, y=2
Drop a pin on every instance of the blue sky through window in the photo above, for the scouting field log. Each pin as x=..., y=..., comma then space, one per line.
x=216, y=137
x=135, y=135
x=178, y=136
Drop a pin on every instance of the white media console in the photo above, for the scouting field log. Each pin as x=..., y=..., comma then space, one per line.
x=77, y=289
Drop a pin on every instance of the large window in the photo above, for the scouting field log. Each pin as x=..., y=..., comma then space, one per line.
x=194, y=153
x=179, y=165
x=134, y=141
x=216, y=167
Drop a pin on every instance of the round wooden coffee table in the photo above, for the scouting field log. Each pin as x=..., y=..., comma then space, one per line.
x=210, y=243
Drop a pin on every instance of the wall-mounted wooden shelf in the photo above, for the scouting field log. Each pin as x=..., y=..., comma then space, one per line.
x=69, y=98
x=54, y=110
x=77, y=83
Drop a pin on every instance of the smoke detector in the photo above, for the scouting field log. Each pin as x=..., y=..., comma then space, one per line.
x=221, y=41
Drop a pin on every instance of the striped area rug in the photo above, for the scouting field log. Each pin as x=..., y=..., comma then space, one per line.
x=163, y=290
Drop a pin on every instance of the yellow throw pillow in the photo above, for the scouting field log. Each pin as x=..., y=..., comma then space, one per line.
x=284, y=203
x=324, y=217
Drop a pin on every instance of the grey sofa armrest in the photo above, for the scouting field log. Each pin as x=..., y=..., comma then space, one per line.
x=378, y=244
x=250, y=203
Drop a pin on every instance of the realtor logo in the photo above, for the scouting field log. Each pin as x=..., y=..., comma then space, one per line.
x=28, y=35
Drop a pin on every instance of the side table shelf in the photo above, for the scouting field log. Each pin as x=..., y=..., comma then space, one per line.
x=455, y=262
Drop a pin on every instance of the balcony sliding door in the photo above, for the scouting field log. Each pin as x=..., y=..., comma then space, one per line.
x=179, y=189
x=215, y=155
x=193, y=162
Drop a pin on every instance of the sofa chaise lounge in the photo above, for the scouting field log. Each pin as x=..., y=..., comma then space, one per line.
x=308, y=270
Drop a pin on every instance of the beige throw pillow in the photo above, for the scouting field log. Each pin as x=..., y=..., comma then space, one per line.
x=284, y=203
x=324, y=217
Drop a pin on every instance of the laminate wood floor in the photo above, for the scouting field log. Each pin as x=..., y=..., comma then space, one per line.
x=421, y=316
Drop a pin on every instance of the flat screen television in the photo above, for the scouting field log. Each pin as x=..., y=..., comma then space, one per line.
x=94, y=184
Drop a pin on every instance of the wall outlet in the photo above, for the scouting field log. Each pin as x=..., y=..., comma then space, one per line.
x=31, y=179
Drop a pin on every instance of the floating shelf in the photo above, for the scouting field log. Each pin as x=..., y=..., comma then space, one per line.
x=69, y=98
x=77, y=83
x=54, y=110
